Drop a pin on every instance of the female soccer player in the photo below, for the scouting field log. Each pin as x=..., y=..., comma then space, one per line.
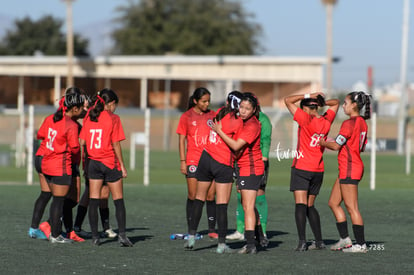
x=350, y=142
x=216, y=164
x=307, y=168
x=58, y=152
x=193, y=130
x=101, y=133
x=251, y=167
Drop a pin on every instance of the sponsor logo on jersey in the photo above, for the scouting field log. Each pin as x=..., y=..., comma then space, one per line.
x=194, y=123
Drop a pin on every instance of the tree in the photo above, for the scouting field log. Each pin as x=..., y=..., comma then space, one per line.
x=44, y=35
x=192, y=27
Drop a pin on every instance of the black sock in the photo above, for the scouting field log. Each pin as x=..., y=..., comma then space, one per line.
x=211, y=215
x=80, y=216
x=56, y=210
x=68, y=215
x=359, y=233
x=195, y=216
x=93, y=217
x=249, y=235
x=342, y=229
x=120, y=214
x=104, y=212
x=39, y=208
x=189, y=209
x=300, y=217
x=221, y=222
x=258, y=230
x=315, y=222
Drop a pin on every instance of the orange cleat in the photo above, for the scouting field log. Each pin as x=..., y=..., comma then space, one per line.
x=45, y=227
x=74, y=237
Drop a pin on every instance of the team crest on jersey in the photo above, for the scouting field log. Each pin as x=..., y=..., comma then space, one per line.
x=210, y=122
x=341, y=140
x=192, y=168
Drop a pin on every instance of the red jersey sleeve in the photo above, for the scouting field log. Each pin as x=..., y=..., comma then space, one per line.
x=330, y=115
x=301, y=117
x=118, y=132
x=182, y=125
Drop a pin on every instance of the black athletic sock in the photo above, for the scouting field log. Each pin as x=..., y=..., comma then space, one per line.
x=93, y=217
x=104, y=212
x=342, y=229
x=315, y=222
x=68, y=215
x=120, y=214
x=189, y=209
x=195, y=216
x=80, y=216
x=300, y=217
x=359, y=233
x=249, y=235
x=39, y=208
x=258, y=230
x=211, y=215
x=56, y=210
x=221, y=222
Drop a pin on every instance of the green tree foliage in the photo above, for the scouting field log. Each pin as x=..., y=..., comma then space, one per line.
x=44, y=35
x=191, y=27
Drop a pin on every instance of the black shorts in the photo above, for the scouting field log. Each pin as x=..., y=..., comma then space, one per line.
x=263, y=183
x=306, y=180
x=59, y=180
x=75, y=170
x=38, y=164
x=348, y=181
x=209, y=169
x=98, y=171
x=191, y=171
x=251, y=182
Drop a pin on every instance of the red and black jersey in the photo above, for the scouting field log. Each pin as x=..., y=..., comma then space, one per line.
x=308, y=155
x=60, y=140
x=196, y=127
x=250, y=162
x=217, y=148
x=352, y=137
x=99, y=137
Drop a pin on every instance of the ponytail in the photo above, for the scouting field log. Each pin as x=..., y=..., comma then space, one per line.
x=102, y=98
x=362, y=100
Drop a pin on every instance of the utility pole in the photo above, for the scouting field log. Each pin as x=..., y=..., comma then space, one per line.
x=402, y=116
x=69, y=43
x=329, y=10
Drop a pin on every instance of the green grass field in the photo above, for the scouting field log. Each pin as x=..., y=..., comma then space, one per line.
x=156, y=211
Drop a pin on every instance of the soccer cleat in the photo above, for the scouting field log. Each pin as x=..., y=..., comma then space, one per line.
x=301, y=246
x=341, y=244
x=317, y=245
x=356, y=248
x=36, y=234
x=109, y=233
x=264, y=242
x=247, y=250
x=213, y=235
x=223, y=248
x=96, y=242
x=59, y=239
x=190, y=242
x=124, y=241
x=235, y=236
x=82, y=233
x=73, y=236
x=45, y=227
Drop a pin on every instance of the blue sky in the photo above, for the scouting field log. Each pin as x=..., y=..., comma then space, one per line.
x=366, y=32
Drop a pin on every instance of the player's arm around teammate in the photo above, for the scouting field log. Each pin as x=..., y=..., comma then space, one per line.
x=102, y=132
x=248, y=143
x=350, y=142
